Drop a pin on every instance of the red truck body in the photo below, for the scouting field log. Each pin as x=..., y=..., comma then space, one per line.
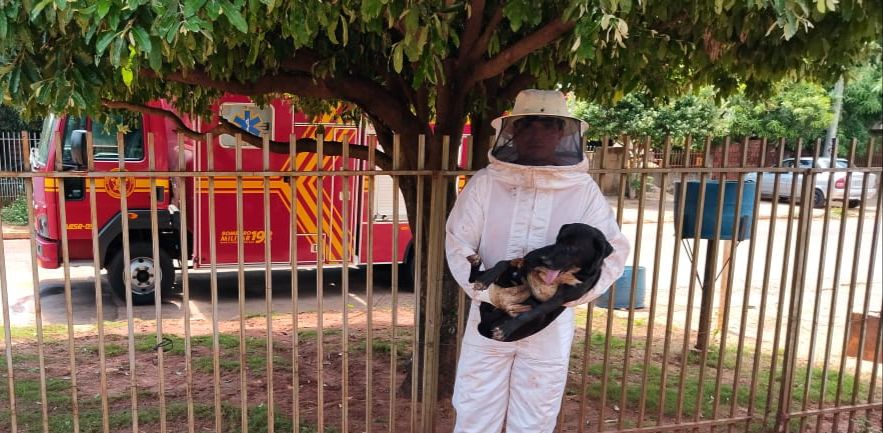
x=281, y=122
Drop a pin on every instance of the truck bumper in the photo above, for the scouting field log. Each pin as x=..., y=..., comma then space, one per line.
x=47, y=253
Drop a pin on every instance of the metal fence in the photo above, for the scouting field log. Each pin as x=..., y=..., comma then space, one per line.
x=11, y=160
x=779, y=333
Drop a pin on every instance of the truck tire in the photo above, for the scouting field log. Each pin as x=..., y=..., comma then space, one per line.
x=145, y=275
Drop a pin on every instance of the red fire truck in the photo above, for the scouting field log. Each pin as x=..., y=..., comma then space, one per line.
x=280, y=121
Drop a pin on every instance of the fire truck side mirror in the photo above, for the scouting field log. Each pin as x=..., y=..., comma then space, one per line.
x=78, y=148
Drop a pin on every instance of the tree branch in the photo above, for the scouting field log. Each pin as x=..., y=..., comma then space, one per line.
x=471, y=32
x=303, y=145
x=297, y=83
x=480, y=46
x=511, y=55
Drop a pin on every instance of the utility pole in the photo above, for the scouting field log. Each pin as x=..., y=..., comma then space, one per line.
x=831, y=136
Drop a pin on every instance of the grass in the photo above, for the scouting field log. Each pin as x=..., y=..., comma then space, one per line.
x=692, y=400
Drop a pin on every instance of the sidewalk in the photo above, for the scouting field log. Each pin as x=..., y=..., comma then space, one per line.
x=630, y=210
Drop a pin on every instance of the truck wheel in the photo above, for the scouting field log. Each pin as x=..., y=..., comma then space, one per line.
x=145, y=276
x=406, y=269
x=818, y=199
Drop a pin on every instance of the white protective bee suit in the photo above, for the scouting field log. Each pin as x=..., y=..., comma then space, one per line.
x=505, y=211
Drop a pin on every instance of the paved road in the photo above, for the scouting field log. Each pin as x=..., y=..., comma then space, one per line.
x=51, y=286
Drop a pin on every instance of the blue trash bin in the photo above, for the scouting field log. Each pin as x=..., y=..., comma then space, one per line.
x=709, y=209
x=623, y=290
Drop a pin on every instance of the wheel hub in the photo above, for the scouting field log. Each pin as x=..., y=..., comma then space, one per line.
x=144, y=275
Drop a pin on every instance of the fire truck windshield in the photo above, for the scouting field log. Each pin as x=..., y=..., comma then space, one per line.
x=41, y=156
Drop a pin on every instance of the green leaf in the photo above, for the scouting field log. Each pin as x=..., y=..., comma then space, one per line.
x=3, y=25
x=14, y=79
x=142, y=39
x=371, y=9
x=155, y=59
x=102, y=8
x=397, y=57
x=103, y=41
x=35, y=12
x=233, y=15
x=116, y=51
x=191, y=7
x=820, y=5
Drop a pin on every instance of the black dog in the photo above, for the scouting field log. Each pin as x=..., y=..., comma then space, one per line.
x=529, y=293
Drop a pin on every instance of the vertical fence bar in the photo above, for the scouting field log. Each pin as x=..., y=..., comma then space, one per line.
x=7, y=334
x=860, y=350
x=240, y=279
x=783, y=282
x=369, y=287
x=292, y=257
x=731, y=267
x=157, y=285
x=345, y=240
x=792, y=336
x=268, y=282
x=851, y=293
x=855, y=262
x=416, y=362
x=685, y=350
x=660, y=223
x=748, y=286
x=634, y=282
x=673, y=282
x=462, y=306
x=394, y=270
x=878, y=341
x=623, y=179
x=433, y=292
x=35, y=282
x=587, y=339
x=710, y=279
x=418, y=281
x=181, y=194
x=127, y=277
x=213, y=279
x=820, y=273
x=835, y=284
x=320, y=282
x=768, y=259
x=69, y=314
x=96, y=267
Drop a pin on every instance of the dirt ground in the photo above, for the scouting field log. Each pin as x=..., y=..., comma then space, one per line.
x=297, y=391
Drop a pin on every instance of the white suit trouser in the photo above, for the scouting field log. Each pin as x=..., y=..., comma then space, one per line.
x=521, y=382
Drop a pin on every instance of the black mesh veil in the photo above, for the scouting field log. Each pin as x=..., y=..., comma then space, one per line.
x=539, y=140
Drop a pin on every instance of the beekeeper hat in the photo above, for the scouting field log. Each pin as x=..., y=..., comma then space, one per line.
x=534, y=102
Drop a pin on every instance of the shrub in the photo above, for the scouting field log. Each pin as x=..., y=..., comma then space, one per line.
x=16, y=212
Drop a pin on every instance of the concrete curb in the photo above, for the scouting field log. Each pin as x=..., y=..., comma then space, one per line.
x=16, y=232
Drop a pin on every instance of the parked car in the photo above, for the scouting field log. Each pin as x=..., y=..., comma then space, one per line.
x=768, y=180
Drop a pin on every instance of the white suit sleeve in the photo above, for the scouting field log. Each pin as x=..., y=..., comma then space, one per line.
x=599, y=215
x=463, y=234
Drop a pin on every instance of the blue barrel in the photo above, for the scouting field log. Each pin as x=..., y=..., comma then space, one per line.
x=709, y=212
x=624, y=289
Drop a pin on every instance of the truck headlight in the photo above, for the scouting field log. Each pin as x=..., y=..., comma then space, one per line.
x=42, y=226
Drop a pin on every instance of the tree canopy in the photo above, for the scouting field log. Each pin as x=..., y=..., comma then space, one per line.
x=409, y=65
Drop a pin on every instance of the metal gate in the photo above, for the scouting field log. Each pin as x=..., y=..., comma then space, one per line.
x=763, y=314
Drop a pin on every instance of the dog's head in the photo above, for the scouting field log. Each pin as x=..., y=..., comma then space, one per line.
x=578, y=246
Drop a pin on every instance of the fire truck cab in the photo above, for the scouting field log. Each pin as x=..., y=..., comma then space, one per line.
x=63, y=205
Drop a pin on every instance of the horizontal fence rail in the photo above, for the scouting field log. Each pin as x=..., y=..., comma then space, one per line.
x=200, y=287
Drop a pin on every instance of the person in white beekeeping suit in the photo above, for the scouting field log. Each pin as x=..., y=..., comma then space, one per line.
x=536, y=182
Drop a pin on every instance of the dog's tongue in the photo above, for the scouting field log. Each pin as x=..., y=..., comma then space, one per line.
x=550, y=275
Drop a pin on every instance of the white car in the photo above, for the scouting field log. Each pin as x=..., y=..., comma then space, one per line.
x=768, y=180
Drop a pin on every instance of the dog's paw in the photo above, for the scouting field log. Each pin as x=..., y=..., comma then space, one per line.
x=498, y=334
x=516, y=309
x=479, y=286
x=474, y=260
